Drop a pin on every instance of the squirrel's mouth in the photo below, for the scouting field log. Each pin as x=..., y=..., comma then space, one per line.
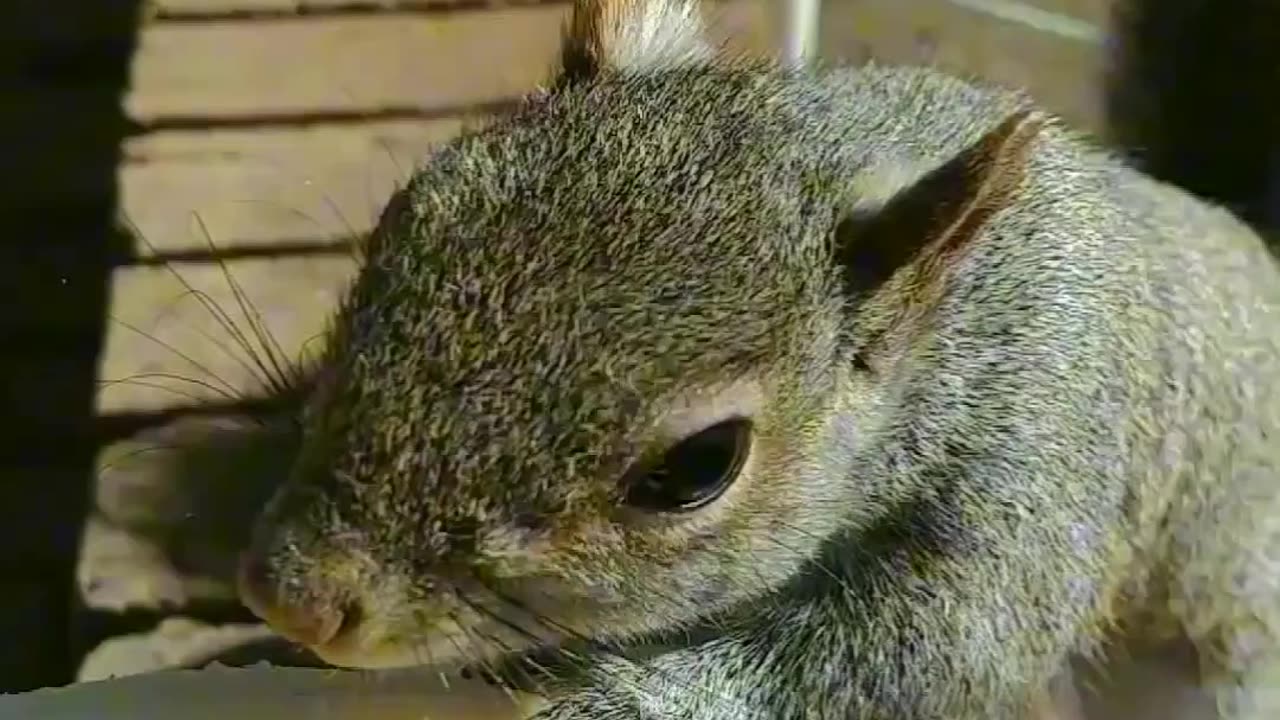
x=361, y=642
x=355, y=653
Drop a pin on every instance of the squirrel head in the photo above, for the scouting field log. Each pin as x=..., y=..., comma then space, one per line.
x=602, y=371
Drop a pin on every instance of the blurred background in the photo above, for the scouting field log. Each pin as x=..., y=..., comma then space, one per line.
x=186, y=177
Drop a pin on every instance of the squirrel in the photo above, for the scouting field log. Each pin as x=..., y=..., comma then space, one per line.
x=863, y=392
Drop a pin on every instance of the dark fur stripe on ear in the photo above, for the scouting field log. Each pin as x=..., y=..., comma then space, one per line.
x=927, y=222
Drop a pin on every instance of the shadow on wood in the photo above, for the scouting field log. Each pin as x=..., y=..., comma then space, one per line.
x=63, y=71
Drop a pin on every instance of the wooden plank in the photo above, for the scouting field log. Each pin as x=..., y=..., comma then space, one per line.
x=156, y=321
x=251, y=187
x=749, y=27
x=260, y=184
x=1095, y=12
x=1064, y=74
x=206, y=8
x=1076, y=19
x=327, y=65
x=425, y=62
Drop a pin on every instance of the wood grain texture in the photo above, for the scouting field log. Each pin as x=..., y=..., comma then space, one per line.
x=166, y=348
x=291, y=66
x=233, y=8
x=261, y=186
x=1097, y=12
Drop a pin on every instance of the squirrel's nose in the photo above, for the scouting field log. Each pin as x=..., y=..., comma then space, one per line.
x=313, y=620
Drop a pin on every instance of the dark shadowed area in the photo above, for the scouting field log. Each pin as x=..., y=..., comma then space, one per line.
x=63, y=72
x=1194, y=98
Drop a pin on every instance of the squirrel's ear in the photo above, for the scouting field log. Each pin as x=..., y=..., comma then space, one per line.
x=631, y=36
x=922, y=222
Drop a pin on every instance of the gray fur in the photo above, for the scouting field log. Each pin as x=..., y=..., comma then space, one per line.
x=1083, y=438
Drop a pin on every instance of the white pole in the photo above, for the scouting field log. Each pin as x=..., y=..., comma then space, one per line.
x=800, y=39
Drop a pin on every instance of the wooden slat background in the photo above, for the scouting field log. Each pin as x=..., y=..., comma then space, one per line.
x=260, y=138
x=267, y=134
x=280, y=137
x=270, y=133
x=340, y=64
x=284, y=126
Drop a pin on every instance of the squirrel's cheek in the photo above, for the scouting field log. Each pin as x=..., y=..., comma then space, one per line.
x=509, y=552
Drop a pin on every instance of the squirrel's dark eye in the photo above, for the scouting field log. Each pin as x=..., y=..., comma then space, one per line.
x=693, y=472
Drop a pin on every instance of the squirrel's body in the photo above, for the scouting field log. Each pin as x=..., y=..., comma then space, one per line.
x=1008, y=398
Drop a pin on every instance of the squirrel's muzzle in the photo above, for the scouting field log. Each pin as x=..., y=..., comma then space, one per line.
x=313, y=618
